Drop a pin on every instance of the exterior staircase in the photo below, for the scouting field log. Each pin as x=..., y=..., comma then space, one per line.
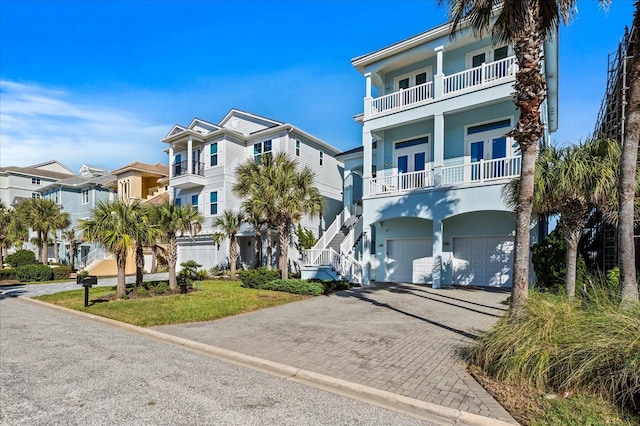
x=331, y=258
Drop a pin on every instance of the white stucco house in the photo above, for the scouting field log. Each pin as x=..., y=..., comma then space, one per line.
x=203, y=158
x=423, y=192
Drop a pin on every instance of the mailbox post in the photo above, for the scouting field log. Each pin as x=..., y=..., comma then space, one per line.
x=87, y=282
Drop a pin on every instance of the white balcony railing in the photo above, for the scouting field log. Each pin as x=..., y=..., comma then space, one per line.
x=401, y=182
x=481, y=171
x=345, y=265
x=471, y=79
x=403, y=97
x=480, y=76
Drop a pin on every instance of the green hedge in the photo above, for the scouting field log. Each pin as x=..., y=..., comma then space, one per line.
x=20, y=258
x=61, y=272
x=35, y=272
x=294, y=286
x=255, y=278
x=7, y=274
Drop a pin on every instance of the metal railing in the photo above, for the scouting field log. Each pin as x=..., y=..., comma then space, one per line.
x=182, y=168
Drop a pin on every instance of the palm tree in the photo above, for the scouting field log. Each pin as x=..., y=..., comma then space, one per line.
x=628, y=292
x=296, y=197
x=229, y=223
x=258, y=204
x=42, y=215
x=58, y=222
x=571, y=182
x=172, y=220
x=276, y=188
x=70, y=237
x=525, y=24
x=114, y=226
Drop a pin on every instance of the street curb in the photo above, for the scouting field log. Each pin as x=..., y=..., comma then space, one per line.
x=411, y=406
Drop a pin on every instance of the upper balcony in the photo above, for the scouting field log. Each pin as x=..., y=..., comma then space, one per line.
x=184, y=177
x=390, y=182
x=442, y=87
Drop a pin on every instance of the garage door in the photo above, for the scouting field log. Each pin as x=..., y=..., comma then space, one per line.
x=483, y=261
x=410, y=260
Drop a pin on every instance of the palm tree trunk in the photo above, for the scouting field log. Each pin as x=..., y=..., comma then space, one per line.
x=284, y=233
x=139, y=264
x=233, y=255
x=530, y=92
x=269, y=247
x=121, y=286
x=56, y=249
x=172, y=258
x=628, y=292
x=72, y=255
x=44, y=245
x=257, y=249
x=572, y=239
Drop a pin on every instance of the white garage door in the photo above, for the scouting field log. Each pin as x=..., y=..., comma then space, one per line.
x=483, y=261
x=410, y=260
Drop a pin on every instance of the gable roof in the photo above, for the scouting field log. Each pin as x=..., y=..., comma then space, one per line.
x=80, y=181
x=236, y=113
x=137, y=166
x=35, y=172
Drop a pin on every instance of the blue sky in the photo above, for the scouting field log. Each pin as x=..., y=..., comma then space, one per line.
x=102, y=82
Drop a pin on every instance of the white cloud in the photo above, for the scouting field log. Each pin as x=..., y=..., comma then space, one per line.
x=38, y=124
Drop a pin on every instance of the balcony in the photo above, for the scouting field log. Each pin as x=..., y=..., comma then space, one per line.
x=186, y=177
x=460, y=175
x=480, y=77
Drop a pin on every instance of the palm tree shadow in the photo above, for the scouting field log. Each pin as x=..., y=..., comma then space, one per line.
x=361, y=295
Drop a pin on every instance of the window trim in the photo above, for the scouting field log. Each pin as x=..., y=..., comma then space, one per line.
x=411, y=150
x=212, y=203
x=215, y=155
x=489, y=54
x=487, y=137
x=256, y=157
x=321, y=158
x=411, y=75
x=82, y=194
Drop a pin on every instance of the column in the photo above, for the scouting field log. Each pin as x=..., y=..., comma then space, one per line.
x=367, y=97
x=189, y=159
x=437, y=253
x=366, y=256
x=171, y=160
x=438, y=148
x=367, y=160
x=438, y=79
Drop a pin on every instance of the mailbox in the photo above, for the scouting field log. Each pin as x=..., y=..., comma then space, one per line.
x=87, y=282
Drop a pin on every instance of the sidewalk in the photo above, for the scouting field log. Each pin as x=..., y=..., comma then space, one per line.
x=403, y=339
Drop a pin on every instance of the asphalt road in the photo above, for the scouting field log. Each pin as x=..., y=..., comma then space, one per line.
x=59, y=369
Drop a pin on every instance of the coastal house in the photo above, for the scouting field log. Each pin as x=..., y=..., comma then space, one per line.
x=422, y=194
x=204, y=157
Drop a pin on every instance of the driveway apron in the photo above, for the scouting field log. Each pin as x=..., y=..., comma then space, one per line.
x=406, y=339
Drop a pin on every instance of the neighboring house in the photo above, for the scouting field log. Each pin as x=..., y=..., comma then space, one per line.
x=78, y=195
x=203, y=160
x=20, y=183
x=146, y=182
x=433, y=161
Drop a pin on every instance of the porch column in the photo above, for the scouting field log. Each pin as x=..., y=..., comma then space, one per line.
x=171, y=161
x=438, y=148
x=438, y=79
x=437, y=253
x=189, y=159
x=366, y=256
x=367, y=161
x=367, y=97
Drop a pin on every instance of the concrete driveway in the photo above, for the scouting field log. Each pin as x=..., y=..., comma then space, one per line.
x=405, y=339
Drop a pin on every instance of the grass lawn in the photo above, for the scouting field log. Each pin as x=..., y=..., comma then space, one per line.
x=216, y=299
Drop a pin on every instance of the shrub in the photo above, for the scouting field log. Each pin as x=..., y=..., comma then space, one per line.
x=142, y=292
x=20, y=258
x=560, y=345
x=254, y=278
x=61, y=272
x=159, y=287
x=549, y=263
x=294, y=286
x=7, y=274
x=335, y=285
x=35, y=272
